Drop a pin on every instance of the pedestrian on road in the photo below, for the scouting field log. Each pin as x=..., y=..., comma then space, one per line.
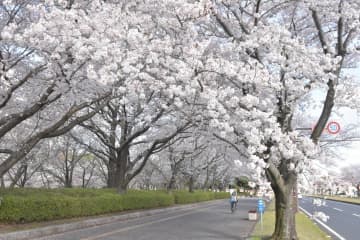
x=233, y=201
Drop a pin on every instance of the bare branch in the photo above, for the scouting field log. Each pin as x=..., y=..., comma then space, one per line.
x=320, y=30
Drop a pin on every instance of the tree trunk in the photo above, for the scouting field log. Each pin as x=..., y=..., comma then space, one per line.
x=171, y=184
x=285, y=228
x=283, y=183
x=112, y=179
x=206, y=182
x=191, y=184
x=83, y=178
x=117, y=171
x=68, y=178
x=24, y=179
x=174, y=172
x=122, y=181
x=121, y=171
x=123, y=186
x=295, y=198
x=2, y=182
x=17, y=176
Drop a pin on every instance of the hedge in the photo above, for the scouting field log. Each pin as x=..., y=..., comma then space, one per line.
x=29, y=205
x=183, y=197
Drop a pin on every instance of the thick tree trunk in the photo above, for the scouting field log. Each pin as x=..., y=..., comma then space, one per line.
x=283, y=183
x=285, y=220
x=285, y=228
x=121, y=171
x=112, y=179
x=191, y=184
x=122, y=180
x=122, y=187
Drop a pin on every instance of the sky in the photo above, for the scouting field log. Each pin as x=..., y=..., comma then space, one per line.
x=350, y=117
x=350, y=154
x=347, y=118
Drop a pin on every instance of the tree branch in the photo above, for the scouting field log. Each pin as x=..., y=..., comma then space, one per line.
x=320, y=30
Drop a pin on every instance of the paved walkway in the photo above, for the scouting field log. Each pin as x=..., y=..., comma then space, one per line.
x=204, y=221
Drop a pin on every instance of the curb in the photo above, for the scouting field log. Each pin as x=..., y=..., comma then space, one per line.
x=56, y=229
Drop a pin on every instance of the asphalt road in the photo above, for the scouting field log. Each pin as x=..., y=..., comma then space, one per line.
x=206, y=222
x=344, y=218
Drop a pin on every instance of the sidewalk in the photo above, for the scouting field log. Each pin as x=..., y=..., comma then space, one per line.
x=206, y=222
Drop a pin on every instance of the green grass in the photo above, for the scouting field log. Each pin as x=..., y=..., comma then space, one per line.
x=35, y=205
x=305, y=228
x=341, y=199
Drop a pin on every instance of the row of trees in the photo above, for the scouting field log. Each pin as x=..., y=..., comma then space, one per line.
x=170, y=80
x=65, y=162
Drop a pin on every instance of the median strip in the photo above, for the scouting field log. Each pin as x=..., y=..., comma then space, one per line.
x=306, y=229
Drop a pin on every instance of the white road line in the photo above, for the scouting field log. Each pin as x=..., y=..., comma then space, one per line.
x=337, y=209
x=356, y=215
x=323, y=224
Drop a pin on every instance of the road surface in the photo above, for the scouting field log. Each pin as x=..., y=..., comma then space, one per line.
x=207, y=222
x=344, y=218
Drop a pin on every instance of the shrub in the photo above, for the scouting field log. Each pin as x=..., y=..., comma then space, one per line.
x=182, y=197
x=221, y=195
x=29, y=205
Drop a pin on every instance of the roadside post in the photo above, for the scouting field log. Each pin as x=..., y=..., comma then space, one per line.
x=261, y=208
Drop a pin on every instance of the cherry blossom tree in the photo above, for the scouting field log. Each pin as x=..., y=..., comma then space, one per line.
x=193, y=161
x=240, y=68
x=151, y=75
x=256, y=94
x=79, y=54
x=41, y=96
x=23, y=173
x=126, y=137
x=64, y=160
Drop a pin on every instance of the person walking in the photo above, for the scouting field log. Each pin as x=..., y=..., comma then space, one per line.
x=233, y=201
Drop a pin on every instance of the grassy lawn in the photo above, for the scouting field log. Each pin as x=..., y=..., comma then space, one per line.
x=306, y=229
x=341, y=199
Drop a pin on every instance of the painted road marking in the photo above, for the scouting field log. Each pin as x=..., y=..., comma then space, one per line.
x=143, y=224
x=337, y=209
x=356, y=215
x=323, y=224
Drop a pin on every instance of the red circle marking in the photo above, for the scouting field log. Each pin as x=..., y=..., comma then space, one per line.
x=333, y=124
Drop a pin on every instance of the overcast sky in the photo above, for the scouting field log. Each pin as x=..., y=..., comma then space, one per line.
x=347, y=119
x=350, y=153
